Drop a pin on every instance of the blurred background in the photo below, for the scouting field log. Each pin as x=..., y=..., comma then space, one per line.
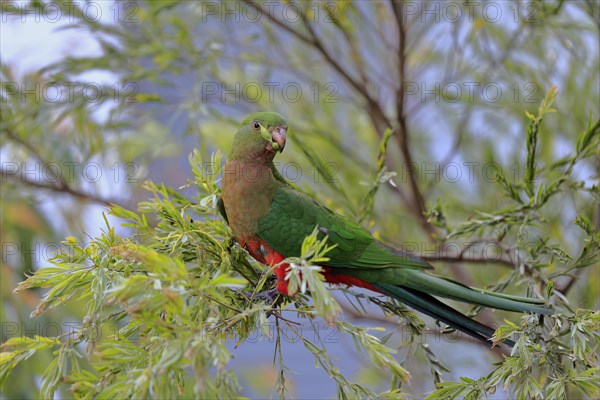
x=99, y=96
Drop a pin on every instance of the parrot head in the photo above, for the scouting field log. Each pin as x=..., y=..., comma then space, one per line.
x=260, y=137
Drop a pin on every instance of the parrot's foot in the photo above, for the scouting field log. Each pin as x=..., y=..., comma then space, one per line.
x=269, y=295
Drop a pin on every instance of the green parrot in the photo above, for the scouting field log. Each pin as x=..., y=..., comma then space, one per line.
x=270, y=219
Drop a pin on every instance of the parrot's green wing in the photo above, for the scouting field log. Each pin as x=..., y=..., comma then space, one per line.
x=292, y=216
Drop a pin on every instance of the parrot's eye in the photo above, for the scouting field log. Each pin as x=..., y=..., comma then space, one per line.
x=256, y=125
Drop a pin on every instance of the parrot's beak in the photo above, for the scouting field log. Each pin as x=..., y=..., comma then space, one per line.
x=279, y=136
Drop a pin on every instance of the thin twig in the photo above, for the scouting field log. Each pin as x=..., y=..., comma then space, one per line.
x=355, y=315
x=463, y=259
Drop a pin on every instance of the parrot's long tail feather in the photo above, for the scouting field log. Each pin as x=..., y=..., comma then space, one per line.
x=444, y=287
x=431, y=306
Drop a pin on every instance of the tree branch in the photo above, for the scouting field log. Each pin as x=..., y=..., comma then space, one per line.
x=418, y=203
x=376, y=113
x=61, y=187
